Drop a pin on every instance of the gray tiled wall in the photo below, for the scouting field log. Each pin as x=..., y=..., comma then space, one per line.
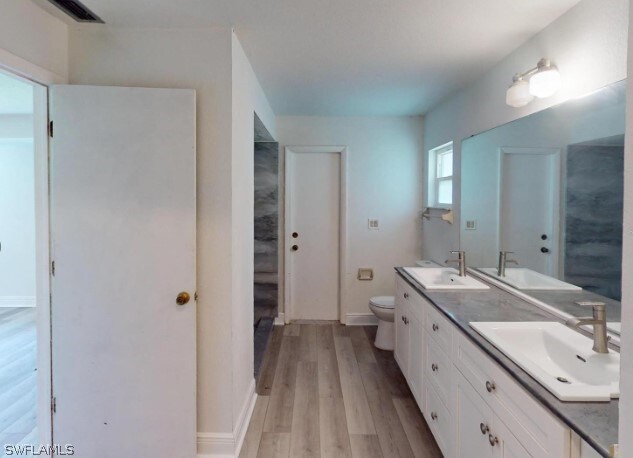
x=593, y=218
x=266, y=228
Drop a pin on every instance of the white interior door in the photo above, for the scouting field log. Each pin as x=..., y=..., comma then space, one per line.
x=529, y=203
x=123, y=243
x=313, y=198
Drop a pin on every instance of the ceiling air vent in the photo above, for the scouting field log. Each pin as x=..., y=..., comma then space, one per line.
x=77, y=11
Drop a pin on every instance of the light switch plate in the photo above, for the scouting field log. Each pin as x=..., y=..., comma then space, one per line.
x=471, y=225
x=373, y=224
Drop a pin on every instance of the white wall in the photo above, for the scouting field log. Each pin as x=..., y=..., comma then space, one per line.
x=17, y=231
x=16, y=126
x=29, y=32
x=247, y=98
x=588, y=43
x=626, y=342
x=385, y=181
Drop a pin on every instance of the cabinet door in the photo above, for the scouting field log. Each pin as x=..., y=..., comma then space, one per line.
x=401, y=349
x=474, y=422
x=506, y=445
x=416, y=359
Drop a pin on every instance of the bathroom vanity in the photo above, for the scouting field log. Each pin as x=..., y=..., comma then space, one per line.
x=477, y=401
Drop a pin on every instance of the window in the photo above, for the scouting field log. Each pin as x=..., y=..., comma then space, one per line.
x=440, y=166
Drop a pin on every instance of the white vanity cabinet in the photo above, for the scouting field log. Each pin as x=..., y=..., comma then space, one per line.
x=481, y=433
x=409, y=347
x=472, y=405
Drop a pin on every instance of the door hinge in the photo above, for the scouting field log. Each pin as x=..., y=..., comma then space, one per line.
x=50, y=128
x=54, y=404
x=53, y=268
x=195, y=296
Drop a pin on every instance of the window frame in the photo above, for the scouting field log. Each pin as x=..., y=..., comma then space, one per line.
x=434, y=180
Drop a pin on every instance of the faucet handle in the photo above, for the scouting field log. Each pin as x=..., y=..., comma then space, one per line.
x=458, y=252
x=594, y=304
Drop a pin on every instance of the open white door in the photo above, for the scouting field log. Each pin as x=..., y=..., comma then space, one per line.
x=123, y=244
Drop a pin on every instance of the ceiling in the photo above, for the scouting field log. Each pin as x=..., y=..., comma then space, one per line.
x=355, y=57
x=16, y=97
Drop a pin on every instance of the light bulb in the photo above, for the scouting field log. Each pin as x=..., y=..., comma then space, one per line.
x=546, y=81
x=518, y=94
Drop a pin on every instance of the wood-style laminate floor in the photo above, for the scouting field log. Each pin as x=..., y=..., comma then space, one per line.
x=18, y=376
x=326, y=391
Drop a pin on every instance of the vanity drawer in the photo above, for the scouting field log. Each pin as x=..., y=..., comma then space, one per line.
x=538, y=431
x=412, y=298
x=438, y=327
x=439, y=420
x=439, y=370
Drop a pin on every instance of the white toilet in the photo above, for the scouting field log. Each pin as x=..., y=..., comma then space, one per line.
x=383, y=308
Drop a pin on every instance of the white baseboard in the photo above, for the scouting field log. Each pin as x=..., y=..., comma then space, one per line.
x=228, y=445
x=361, y=319
x=244, y=418
x=280, y=319
x=17, y=301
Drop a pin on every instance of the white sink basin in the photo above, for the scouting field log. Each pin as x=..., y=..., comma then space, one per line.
x=443, y=278
x=522, y=278
x=558, y=357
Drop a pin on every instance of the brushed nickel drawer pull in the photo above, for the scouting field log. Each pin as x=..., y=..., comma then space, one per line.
x=435, y=327
x=484, y=428
x=434, y=367
x=434, y=416
x=490, y=386
x=494, y=440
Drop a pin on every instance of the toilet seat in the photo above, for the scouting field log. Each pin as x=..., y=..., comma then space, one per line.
x=383, y=302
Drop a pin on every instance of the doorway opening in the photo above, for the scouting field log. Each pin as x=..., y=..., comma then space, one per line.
x=266, y=234
x=19, y=299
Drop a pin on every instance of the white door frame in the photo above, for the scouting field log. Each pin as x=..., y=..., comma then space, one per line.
x=343, y=153
x=556, y=155
x=41, y=78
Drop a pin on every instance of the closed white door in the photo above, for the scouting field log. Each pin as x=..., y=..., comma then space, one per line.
x=529, y=203
x=123, y=211
x=312, y=234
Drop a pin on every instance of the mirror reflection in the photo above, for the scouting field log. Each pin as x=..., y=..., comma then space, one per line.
x=541, y=205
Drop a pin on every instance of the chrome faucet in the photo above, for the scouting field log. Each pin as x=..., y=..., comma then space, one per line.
x=599, y=322
x=503, y=261
x=461, y=260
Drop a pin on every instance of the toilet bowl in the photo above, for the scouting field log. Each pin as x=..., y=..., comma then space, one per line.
x=383, y=308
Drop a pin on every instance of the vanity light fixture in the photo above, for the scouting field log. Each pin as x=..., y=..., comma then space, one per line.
x=541, y=81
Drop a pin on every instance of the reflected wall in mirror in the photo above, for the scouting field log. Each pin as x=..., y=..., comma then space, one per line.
x=549, y=187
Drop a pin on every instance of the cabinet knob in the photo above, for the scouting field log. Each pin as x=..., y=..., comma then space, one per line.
x=406, y=295
x=433, y=415
x=435, y=327
x=434, y=367
x=484, y=428
x=494, y=440
x=490, y=386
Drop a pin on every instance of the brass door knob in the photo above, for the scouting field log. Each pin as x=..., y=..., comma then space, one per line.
x=182, y=298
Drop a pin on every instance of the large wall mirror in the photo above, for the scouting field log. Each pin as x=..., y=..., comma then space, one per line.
x=548, y=189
